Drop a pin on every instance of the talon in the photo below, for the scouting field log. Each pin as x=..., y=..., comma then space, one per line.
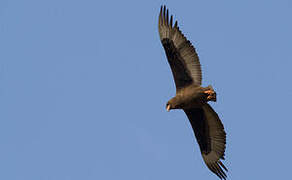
x=211, y=95
x=209, y=92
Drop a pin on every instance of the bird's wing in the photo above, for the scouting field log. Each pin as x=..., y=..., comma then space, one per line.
x=181, y=54
x=211, y=137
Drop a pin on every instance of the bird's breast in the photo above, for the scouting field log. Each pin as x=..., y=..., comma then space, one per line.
x=192, y=97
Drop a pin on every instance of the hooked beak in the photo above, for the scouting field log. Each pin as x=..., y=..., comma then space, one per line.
x=168, y=107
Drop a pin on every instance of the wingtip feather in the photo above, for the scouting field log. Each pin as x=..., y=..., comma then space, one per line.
x=167, y=23
x=164, y=23
x=222, y=165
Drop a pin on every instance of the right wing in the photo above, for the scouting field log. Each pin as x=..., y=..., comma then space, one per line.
x=211, y=137
x=181, y=55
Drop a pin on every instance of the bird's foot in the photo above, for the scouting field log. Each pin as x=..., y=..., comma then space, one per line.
x=211, y=95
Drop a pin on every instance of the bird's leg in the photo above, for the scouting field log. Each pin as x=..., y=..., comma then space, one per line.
x=211, y=94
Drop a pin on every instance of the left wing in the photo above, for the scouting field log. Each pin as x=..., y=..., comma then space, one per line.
x=181, y=54
x=211, y=137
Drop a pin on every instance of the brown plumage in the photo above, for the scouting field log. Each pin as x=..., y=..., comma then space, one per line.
x=191, y=96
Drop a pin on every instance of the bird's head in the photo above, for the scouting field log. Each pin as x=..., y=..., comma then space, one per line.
x=173, y=104
x=168, y=106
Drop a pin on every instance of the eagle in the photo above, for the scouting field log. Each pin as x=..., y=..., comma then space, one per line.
x=190, y=96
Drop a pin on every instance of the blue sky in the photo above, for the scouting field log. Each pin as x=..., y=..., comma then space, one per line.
x=84, y=86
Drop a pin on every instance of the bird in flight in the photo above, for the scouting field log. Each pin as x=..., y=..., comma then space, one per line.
x=190, y=96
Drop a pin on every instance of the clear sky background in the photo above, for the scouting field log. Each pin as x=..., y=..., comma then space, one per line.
x=83, y=88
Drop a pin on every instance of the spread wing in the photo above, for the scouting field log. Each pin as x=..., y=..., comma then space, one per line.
x=181, y=55
x=211, y=137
